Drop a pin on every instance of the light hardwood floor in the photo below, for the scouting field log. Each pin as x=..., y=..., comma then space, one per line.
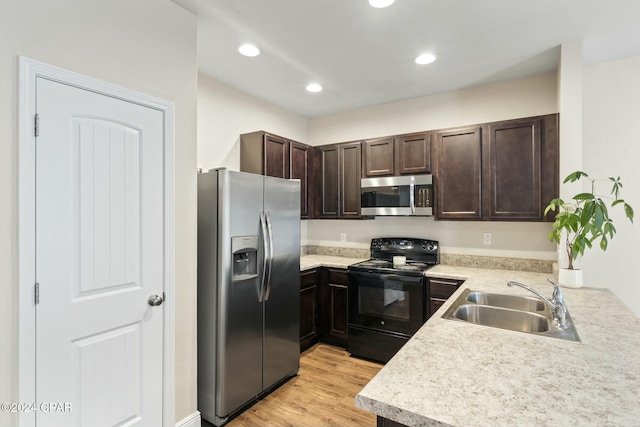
x=321, y=395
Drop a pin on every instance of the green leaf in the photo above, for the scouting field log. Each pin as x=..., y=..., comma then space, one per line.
x=603, y=243
x=628, y=211
x=609, y=229
x=584, y=196
x=573, y=177
x=587, y=212
x=598, y=217
x=573, y=226
x=617, y=202
x=553, y=205
x=578, y=247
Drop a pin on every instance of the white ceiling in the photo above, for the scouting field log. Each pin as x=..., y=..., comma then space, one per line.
x=364, y=56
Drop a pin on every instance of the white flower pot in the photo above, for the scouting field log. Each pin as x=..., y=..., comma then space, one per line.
x=570, y=278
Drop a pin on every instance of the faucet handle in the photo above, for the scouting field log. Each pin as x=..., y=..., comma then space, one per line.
x=560, y=312
x=557, y=293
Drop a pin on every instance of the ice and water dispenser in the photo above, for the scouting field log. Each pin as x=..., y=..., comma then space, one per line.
x=244, y=250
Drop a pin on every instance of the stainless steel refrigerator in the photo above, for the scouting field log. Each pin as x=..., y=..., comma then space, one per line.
x=248, y=288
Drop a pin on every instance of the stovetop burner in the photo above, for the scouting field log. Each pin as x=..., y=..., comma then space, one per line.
x=420, y=255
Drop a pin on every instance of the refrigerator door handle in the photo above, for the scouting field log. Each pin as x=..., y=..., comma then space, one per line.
x=265, y=255
x=270, y=231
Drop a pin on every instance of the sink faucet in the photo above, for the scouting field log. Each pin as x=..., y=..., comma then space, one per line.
x=556, y=303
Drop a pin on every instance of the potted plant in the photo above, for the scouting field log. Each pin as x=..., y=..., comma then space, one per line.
x=584, y=220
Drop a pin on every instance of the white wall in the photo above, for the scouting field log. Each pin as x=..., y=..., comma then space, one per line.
x=224, y=113
x=611, y=147
x=148, y=46
x=507, y=100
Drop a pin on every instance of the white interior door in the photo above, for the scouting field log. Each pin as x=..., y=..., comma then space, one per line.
x=99, y=257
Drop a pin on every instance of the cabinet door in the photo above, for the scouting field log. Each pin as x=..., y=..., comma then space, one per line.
x=378, y=155
x=459, y=174
x=349, y=179
x=329, y=168
x=309, y=299
x=299, y=163
x=276, y=156
x=515, y=180
x=414, y=153
x=439, y=291
x=334, y=306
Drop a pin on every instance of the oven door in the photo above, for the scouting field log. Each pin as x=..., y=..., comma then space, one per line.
x=386, y=302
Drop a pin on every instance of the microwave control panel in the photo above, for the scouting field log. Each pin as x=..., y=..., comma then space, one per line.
x=423, y=196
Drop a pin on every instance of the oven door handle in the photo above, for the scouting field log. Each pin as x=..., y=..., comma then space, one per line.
x=369, y=275
x=411, y=280
x=412, y=195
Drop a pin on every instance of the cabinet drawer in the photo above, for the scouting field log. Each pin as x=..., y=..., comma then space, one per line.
x=307, y=279
x=337, y=277
x=443, y=287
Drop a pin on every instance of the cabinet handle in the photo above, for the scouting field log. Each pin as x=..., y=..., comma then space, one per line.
x=412, y=195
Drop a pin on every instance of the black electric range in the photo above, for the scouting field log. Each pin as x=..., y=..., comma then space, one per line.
x=387, y=302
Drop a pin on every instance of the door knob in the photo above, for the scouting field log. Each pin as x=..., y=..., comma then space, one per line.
x=155, y=300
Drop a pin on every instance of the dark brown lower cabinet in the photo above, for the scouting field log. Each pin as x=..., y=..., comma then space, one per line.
x=385, y=422
x=309, y=315
x=323, y=307
x=439, y=290
x=333, y=303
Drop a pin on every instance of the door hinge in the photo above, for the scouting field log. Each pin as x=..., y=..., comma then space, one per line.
x=37, y=125
x=36, y=294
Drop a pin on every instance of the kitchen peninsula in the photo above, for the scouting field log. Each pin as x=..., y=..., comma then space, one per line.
x=457, y=374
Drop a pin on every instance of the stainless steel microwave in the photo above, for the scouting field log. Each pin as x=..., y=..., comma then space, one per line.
x=397, y=196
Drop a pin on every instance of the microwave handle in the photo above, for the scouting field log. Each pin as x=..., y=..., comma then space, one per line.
x=412, y=195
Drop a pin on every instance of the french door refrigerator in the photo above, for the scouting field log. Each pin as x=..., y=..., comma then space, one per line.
x=248, y=288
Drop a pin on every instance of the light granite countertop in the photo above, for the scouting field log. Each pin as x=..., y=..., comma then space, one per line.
x=456, y=374
x=308, y=262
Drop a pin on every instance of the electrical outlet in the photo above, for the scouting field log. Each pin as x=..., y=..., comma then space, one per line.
x=486, y=238
x=343, y=237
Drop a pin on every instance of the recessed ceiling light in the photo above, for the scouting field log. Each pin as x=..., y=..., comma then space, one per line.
x=426, y=58
x=381, y=3
x=249, y=50
x=313, y=87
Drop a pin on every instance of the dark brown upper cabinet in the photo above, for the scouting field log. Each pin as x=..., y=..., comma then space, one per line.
x=272, y=155
x=329, y=169
x=264, y=154
x=349, y=179
x=340, y=174
x=398, y=155
x=459, y=173
x=413, y=154
x=300, y=167
x=515, y=183
x=378, y=157
x=501, y=171
x=524, y=167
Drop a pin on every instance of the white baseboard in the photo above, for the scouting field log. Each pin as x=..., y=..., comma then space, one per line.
x=192, y=420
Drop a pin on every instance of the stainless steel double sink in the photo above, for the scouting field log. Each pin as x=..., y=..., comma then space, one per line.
x=515, y=313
